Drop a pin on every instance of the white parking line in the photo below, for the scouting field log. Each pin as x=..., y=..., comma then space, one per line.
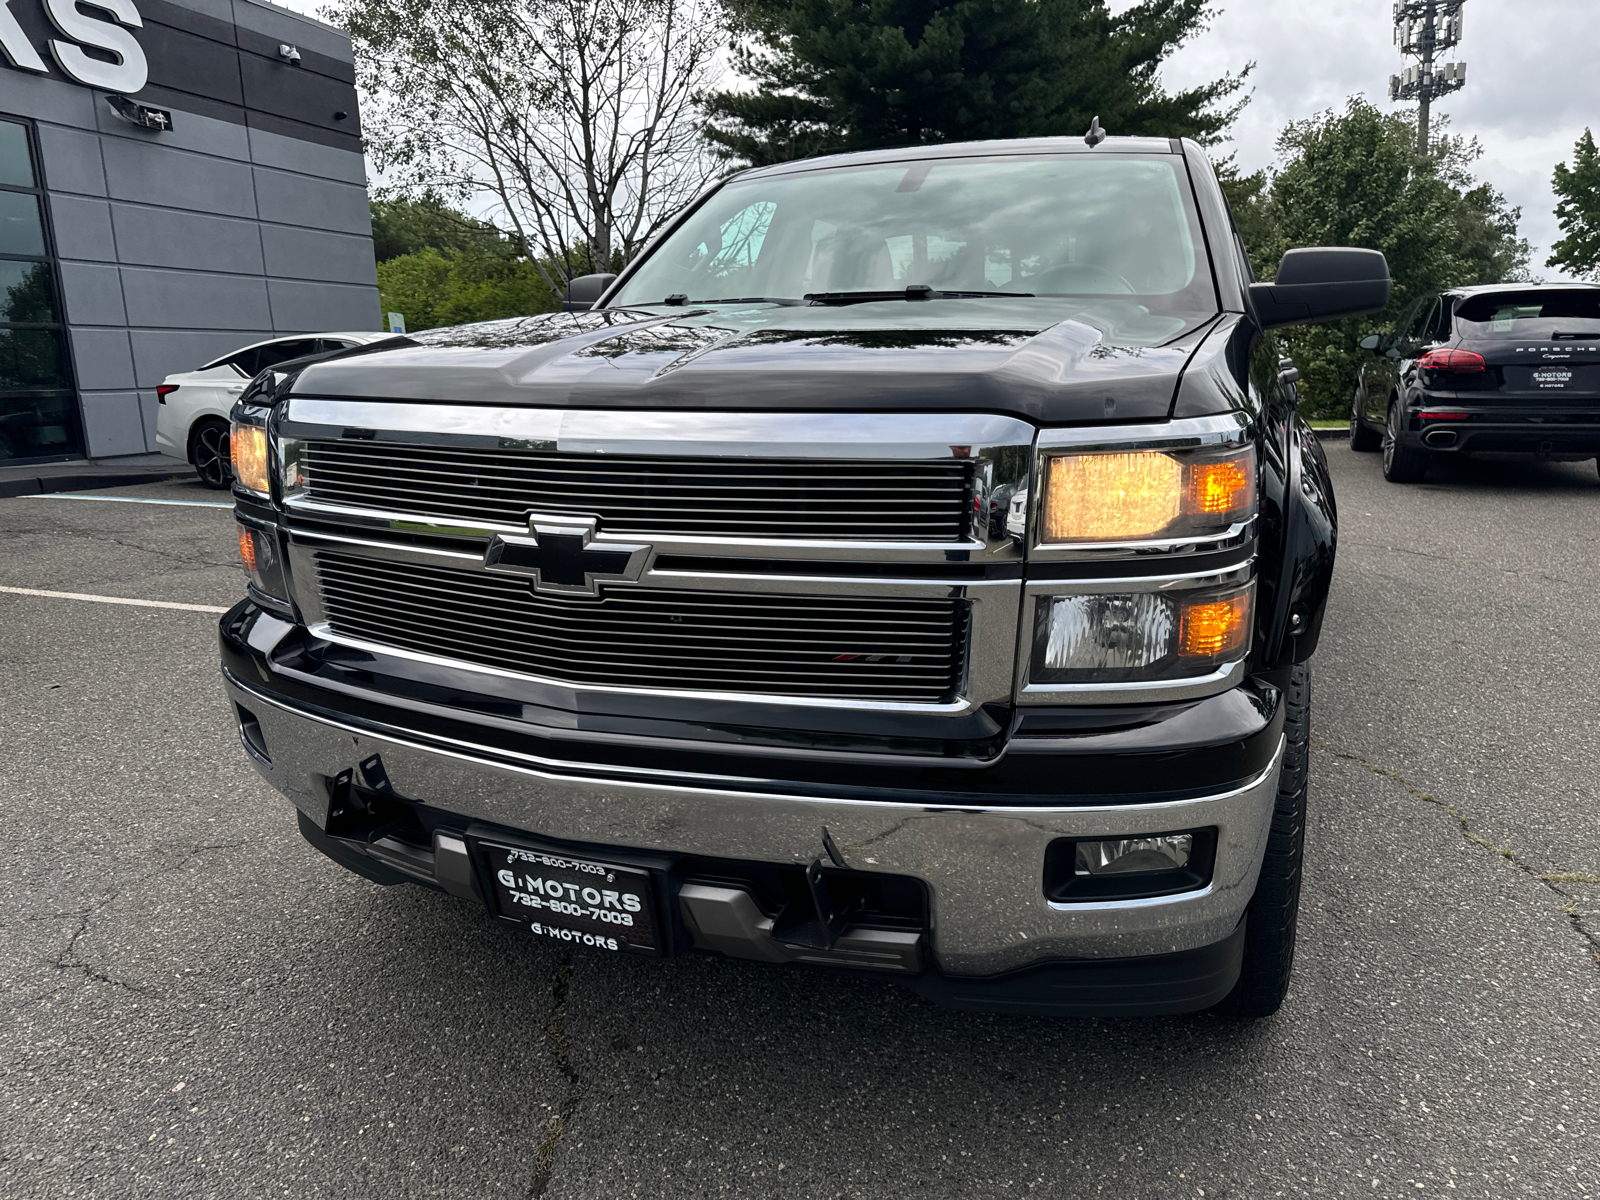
x=208, y=608
x=129, y=500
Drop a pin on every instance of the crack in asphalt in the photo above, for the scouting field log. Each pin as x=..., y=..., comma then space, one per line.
x=544, y=1159
x=1549, y=879
x=90, y=971
x=66, y=961
x=101, y=535
x=1454, y=560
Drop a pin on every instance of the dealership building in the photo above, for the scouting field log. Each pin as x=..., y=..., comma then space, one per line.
x=178, y=178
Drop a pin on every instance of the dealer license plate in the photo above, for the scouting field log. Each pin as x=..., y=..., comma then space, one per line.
x=573, y=900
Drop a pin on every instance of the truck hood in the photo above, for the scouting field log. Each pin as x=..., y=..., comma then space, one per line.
x=1045, y=360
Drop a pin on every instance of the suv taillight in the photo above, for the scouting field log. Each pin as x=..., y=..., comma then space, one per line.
x=1459, y=362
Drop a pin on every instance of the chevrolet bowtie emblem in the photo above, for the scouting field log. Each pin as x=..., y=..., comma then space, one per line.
x=559, y=557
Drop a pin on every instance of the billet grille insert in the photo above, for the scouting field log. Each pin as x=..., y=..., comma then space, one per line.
x=688, y=497
x=844, y=647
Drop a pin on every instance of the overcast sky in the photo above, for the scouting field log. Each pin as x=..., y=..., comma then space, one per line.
x=1533, y=82
x=1532, y=72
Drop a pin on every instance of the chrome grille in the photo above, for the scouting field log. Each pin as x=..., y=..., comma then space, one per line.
x=880, y=648
x=687, y=497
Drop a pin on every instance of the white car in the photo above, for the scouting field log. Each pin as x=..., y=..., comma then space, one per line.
x=192, y=420
x=1017, y=517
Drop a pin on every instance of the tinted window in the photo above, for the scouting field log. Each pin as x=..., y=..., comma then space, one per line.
x=16, y=164
x=36, y=426
x=32, y=358
x=21, y=231
x=1551, y=314
x=27, y=293
x=276, y=352
x=246, y=362
x=1419, y=322
x=1112, y=232
x=1439, y=325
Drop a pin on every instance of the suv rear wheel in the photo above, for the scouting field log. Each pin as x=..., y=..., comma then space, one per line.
x=1361, y=438
x=209, y=452
x=1401, y=464
x=1273, y=917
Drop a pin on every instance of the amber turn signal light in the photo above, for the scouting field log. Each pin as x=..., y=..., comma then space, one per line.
x=1211, y=628
x=247, y=549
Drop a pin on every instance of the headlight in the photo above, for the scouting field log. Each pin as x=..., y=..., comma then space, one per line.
x=1135, y=495
x=248, y=446
x=1140, y=635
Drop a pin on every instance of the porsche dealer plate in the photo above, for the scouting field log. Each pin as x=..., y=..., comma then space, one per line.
x=573, y=900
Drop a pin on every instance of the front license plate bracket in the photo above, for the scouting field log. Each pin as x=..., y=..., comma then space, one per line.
x=573, y=898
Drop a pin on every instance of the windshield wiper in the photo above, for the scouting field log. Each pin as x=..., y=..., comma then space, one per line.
x=679, y=300
x=785, y=300
x=916, y=291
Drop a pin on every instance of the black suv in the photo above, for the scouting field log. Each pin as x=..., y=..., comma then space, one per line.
x=683, y=620
x=1511, y=370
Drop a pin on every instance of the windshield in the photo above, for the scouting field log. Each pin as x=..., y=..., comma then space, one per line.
x=1119, y=227
x=1545, y=315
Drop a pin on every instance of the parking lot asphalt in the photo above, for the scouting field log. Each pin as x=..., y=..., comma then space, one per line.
x=195, y=1004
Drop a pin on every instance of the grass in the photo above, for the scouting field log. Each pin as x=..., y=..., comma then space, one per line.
x=1328, y=424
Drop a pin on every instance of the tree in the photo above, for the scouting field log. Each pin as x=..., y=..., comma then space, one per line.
x=1578, y=211
x=574, y=120
x=402, y=226
x=839, y=75
x=1354, y=179
x=432, y=288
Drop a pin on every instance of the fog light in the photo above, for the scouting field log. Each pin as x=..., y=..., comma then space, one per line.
x=1122, y=856
x=1082, y=871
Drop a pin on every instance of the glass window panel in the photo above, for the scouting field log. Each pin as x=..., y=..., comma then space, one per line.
x=276, y=352
x=1114, y=231
x=21, y=231
x=16, y=163
x=26, y=291
x=32, y=358
x=37, y=426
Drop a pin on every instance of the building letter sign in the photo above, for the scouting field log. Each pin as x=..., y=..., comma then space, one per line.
x=128, y=74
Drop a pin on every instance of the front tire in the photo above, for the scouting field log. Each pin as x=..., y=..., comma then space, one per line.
x=1401, y=463
x=1273, y=918
x=209, y=452
x=1361, y=437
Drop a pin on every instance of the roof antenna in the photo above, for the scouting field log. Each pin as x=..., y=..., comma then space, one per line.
x=1096, y=135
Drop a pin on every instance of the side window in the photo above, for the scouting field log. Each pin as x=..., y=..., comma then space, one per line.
x=1416, y=331
x=1439, y=327
x=276, y=352
x=328, y=345
x=246, y=362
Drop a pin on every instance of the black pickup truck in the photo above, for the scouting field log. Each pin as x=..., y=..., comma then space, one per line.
x=908, y=566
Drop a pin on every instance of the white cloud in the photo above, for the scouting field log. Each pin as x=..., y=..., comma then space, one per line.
x=1531, y=82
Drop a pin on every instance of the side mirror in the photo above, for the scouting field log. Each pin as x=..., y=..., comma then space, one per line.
x=1370, y=342
x=584, y=290
x=1322, y=284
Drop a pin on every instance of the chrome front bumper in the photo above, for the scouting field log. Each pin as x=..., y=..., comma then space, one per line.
x=983, y=866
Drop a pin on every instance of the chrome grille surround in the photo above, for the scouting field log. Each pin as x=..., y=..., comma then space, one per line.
x=956, y=628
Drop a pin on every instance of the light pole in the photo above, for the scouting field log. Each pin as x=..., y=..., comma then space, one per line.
x=1424, y=29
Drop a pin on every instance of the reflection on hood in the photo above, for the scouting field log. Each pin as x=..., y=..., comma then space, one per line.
x=514, y=333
